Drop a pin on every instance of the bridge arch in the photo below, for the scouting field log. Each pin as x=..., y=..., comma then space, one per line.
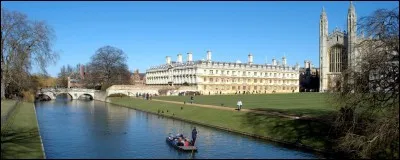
x=86, y=94
x=65, y=93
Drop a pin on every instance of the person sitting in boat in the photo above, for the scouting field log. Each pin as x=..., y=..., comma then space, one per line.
x=186, y=143
x=180, y=142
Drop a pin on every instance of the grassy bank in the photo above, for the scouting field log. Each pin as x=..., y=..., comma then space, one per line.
x=313, y=104
x=300, y=132
x=6, y=106
x=20, y=136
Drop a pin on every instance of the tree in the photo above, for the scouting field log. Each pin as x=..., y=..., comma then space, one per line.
x=23, y=43
x=108, y=67
x=65, y=72
x=368, y=122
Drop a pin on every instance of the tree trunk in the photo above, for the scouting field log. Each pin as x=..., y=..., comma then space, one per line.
x=3, y=88
x=3, y=85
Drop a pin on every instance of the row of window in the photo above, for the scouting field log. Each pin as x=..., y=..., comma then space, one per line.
x=242, y=80
x=244, y=73
x=210, y=87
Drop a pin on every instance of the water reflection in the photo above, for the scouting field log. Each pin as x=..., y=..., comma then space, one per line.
x=93, y=129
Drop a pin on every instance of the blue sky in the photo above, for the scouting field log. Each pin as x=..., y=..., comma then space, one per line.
x=149, y=31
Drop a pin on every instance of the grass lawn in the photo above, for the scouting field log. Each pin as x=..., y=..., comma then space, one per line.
x=281, y=129
x=291, y=103
x=20, y=136
x=6, y=106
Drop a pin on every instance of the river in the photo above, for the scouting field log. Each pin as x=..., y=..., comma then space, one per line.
x=94, y=129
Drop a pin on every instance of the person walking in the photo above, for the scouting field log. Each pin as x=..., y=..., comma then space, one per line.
x=239, y=104
x=191, y=100
x=194, y=135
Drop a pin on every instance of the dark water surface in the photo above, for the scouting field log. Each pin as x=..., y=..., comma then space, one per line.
x=93, y=129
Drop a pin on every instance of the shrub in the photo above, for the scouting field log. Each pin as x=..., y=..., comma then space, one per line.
x=28, y=96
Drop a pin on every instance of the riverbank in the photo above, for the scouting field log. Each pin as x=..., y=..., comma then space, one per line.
x=305, y=134
x=20, y=137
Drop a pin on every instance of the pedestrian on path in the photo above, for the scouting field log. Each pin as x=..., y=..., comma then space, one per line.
x=191, y=100
x=239, y=105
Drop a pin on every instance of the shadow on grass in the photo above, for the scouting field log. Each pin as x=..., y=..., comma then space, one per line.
x=297, y=112
x=21, y=143
x=306, y=134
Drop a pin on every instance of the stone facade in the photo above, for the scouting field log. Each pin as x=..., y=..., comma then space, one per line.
x=210, y=77
x=337, y=49
x=138, y=78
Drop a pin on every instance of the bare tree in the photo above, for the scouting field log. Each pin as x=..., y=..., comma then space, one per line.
x=23, y=43
x=368, y=122
x=108, y=67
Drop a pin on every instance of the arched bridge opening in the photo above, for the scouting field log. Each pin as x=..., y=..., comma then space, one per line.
x=86, y=96
x=64, y=96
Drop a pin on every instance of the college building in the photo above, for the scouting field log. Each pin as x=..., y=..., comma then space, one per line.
x=209, y=77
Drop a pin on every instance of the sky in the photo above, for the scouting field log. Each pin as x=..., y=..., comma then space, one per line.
x=149, y=31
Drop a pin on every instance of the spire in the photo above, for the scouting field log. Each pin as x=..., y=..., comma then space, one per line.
x=323, y=13
x=351, y=7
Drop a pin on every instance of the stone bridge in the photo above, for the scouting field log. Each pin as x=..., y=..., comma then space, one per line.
x=75, y=93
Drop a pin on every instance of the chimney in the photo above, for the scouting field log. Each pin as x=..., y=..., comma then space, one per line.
x=209, y=56
x=250, y=59
x=189, y=57
x=168, y=59
x=179, y=60
x=274, y=61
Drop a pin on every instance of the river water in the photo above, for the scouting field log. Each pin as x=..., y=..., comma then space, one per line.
x=93, y=129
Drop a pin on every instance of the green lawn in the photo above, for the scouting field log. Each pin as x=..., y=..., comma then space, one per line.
x=292, y=103
x=309, y=133
x=20, y=135
x=6, y=106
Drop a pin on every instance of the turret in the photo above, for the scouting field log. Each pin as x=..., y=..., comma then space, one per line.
x=274, y=62
x=168, y=59
x=189, y=57
x=179, y=59
x=284, y=61
x=209, y=56
x=323, y=55
x=351, y=34
x=250, y=59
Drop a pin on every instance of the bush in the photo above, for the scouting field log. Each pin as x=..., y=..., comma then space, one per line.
x=28, y=96
x=117, y=95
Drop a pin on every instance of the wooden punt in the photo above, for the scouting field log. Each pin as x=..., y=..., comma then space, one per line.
x=182, y=148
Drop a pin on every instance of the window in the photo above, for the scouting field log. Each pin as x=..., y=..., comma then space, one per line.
x=216, y=79
x=274, y=74
x=211, y=71
x=205, y=79
x=255, y=87
x=227, y=72
x=244, y=87
x=205, y=71
x=216, y=71
x=211, y=79
x=222, y=72
x=233, y=72
x=255, y=80
x=255, y=73
x=261, y=81
x=233, y=88
x=238, y=87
